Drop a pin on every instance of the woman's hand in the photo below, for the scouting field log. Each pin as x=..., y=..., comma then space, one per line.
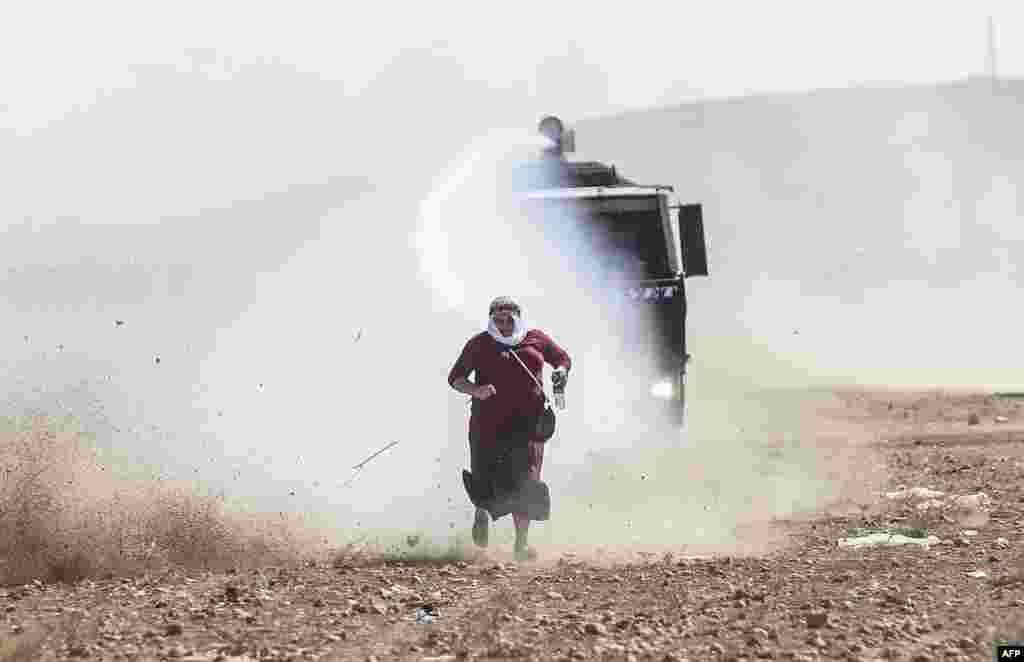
x=484, y=392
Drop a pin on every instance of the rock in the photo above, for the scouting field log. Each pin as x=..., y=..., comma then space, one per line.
x=817, y=619
x=886, y=539
x=903, y=493
x=1002, y=419
x=595, y=629
x=1001, y=543
x=977, y=501
x=973, y=419
x=817, y=641
x=173, y=629
x=930, y=504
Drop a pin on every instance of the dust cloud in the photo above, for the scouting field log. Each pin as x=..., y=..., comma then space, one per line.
x=256, y=306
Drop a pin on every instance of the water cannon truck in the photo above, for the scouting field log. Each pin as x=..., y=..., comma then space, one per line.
x=650, y=241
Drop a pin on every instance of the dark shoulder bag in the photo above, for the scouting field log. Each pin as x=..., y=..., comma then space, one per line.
x=544, y=426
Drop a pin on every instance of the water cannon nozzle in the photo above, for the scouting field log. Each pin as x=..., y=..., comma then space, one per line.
x=554, y=130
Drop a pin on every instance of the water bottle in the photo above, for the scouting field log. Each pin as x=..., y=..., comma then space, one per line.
x=558, y=380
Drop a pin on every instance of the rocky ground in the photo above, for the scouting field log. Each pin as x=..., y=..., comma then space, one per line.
x=811, y=600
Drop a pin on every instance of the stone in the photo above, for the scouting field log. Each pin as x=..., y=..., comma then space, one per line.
x=816, y=619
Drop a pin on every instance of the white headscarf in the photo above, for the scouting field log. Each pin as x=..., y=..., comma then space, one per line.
x=519, y=331
x=519, y=328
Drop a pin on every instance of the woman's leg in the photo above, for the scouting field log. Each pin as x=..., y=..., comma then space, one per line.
x=478, y=467
x=534, y=463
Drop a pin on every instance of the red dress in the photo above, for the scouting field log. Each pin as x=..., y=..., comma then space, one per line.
x=517, y=397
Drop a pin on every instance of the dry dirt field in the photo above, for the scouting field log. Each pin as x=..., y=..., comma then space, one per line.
x=810, y=599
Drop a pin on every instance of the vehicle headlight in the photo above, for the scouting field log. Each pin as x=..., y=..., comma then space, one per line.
x=664, y=389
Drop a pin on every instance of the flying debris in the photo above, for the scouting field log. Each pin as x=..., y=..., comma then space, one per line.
x=364, y=462
x=359, y=467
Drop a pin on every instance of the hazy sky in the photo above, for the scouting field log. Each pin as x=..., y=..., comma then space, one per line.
x=54, y=56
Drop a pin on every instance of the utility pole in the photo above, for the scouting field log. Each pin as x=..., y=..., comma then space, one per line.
x=993, y=74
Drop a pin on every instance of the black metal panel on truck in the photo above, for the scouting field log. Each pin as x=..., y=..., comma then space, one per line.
x=695, y=255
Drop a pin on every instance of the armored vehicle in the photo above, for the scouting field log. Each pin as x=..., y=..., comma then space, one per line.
x=649, y=243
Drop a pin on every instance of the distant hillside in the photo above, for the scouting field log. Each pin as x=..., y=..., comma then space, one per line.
x=841, y=198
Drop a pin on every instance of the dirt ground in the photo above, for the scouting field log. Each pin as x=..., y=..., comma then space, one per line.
x=811, y=599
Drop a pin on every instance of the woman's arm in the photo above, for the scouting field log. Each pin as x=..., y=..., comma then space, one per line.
x=463, y=385
x=557, y=357
x=458, y=376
